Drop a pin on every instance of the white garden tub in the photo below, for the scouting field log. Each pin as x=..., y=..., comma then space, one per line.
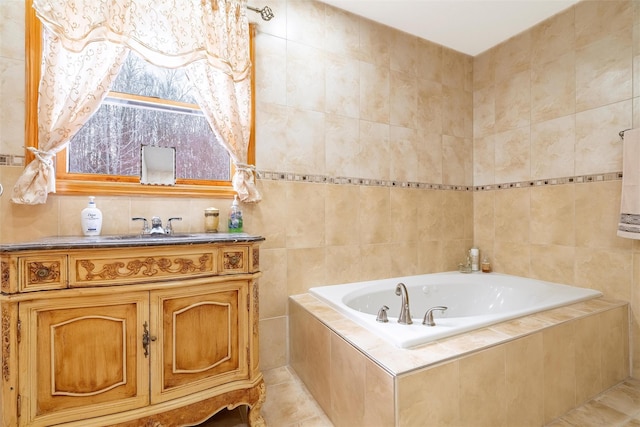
x=472, y=300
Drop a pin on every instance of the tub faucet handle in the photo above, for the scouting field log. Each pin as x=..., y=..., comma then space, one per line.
x=382, y=314
x=428, y=316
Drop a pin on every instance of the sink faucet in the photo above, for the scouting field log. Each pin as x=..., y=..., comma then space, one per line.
x=405, y=316
x=156, y=226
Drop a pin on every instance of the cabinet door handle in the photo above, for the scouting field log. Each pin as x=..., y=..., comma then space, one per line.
x=146, y=339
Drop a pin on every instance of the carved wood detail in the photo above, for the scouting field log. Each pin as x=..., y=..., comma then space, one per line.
x=5, y=276
x=256, y=306
x=198, y=412
x=40, y=272
x=256, y=259
x=149, y=267
x=6, y=343
x=233, y=260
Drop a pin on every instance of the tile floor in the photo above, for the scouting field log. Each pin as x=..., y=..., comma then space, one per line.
x=289, y=404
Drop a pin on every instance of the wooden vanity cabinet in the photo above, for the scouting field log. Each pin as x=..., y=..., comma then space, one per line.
x=166, y=352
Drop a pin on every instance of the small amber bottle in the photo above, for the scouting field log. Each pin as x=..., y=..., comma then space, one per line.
x=485, y=265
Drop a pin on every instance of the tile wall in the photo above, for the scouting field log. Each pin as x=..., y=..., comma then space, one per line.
x=414, y=124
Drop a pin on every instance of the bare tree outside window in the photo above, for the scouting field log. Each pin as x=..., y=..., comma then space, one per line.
x=148, y=105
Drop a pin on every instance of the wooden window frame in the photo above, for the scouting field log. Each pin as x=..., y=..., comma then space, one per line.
x=84, y=184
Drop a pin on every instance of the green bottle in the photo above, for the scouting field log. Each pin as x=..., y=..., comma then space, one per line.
x=235, y=217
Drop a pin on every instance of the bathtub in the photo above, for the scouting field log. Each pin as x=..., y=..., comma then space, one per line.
x=472, y=300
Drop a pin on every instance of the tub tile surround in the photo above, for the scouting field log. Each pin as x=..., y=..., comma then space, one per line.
x=539, y=367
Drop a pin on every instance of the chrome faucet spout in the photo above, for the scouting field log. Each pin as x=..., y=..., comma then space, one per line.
x=405, y=316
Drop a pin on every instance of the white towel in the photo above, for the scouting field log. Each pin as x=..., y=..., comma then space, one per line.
x=629, y=225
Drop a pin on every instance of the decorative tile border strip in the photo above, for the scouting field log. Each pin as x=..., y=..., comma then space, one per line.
x=11, y=160
x=325, y=179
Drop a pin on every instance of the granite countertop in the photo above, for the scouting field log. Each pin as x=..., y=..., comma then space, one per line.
x=130, y=240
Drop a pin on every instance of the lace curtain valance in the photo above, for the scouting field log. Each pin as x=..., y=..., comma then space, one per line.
x=86, y=41
x=167, y=33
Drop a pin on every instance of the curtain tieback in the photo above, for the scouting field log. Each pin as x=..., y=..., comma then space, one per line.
x=247, y=168
x=45, y=157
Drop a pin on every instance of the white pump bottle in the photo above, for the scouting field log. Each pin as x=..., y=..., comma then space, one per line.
x=91, y=219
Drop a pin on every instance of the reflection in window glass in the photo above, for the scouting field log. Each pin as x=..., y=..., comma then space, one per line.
x=109, y=143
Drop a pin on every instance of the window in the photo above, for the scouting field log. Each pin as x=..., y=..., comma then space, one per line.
x=104, y=157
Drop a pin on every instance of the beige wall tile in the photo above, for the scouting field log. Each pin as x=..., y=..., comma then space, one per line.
x=512, y=210
x=268, y=217
x=588, y=353
x=429, y=60
x=603, y=71
x=342, y=86
x=342, y=146
x=374, y=215
x=342, y=33
x=607, y=270
x=429, y=153
x=553, y=88
x=484, y=154
x=348, y=381
x=553, y=263
x=310, y=344
x=552, y=148
x=484, y=110
x=598, y=147
x=343, y=264
x=513, y=56
x=403, y=140
x=513, y=101
x=373, y=158
x=306, y=268
x=308, y=230
x=273, y=342
x=440, y=408
x=403, y=99
x=524, y=384
x=615, y=351
x=271, y=67
x=273, y=283
x=595, y=20
x=342, y=210
x=375, y=261
x=305, y=22
x=511, y=258
x=404, y=49
x=553, y=215
x=553, y=38
x=12, y=114
x=512, y=155
x=480, y=404
x=484, y=216
x=305, y=63
x=597, y=215
x=374, y=93
x=379, y=397
x=559, y=370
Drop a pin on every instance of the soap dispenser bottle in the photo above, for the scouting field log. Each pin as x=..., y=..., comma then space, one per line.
x=235, y=217
x=91, y=219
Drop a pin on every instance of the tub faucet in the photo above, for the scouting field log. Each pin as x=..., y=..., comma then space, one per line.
x=405, y=316
x=428, y=316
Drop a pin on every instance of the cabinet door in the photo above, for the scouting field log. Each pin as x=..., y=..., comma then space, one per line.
x=202, y=336
x=82, y=356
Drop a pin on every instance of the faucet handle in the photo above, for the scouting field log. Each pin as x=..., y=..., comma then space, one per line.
x=145, y=225
x=428, y=316
x=382, y=314
x=169, y=228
